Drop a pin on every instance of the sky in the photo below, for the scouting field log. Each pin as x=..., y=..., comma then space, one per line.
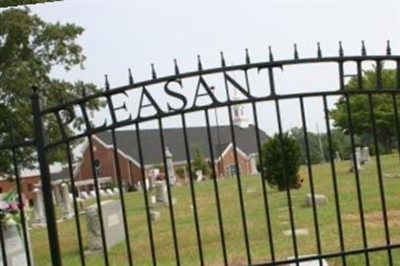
x=134, y=34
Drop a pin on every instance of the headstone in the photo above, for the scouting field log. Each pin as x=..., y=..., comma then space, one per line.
x=153, y=200
x=40, y=219
x=357, y=165
x=112, y=221
x=102, y=192
x=297, y=232
x=153, y=177
x=253, y=164
x=155, y=215
x=109, y=191
x=92, y=193
x=57, y=194
x=337, y=156
x=138, y=186
x=308, y=263
x=67, y=206
x=85, y=195
x=116, y=191
x=320, y=200
x=161, y=192
x=199, y=175
x=170, y=166
x=365, y=155
x=14, y=245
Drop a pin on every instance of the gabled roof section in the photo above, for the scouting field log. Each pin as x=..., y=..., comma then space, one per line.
x=174, y=140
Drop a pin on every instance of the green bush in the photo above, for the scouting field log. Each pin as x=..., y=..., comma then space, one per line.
x=281, y=169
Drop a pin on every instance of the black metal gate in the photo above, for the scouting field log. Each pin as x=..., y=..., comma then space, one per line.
x=233, y=217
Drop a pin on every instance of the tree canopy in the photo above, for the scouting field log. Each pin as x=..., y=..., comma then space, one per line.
x=30, y=49
x=382, y=104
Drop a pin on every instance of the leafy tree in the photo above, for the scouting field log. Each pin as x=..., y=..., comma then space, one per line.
x=30, y=49
x=9, y=3
x=313, y=145
x=200, y=162
x=281, y=161
x=360, y=109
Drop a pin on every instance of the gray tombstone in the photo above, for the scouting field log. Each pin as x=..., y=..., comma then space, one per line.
x=113, y=225
x=92, y=193
x=337, y=157
x=40, y=219
x=67, y=203
x=161, y=192
x=365, y=154
x=319, y=200
x=357, y=165
x=85, y=195
x=170, y=166
x=14, y=245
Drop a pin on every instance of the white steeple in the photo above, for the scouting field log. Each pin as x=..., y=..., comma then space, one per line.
x=239, y=118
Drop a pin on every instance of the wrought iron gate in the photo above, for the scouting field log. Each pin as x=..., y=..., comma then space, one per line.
x=244, y=221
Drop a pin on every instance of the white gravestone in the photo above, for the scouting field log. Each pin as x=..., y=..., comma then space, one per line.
x=337, y=156
x=170, y=167
x=365, y=155
x=109, y=191
x=14, y=245
x=253, y=164
x=112, y=221
x=85, y=195
x=161, y=192
x=357, y=165
x=199, y=175
x=319, y=200
x=309, y=262
x=40, y=218
x=67, y=203
x=92, y=193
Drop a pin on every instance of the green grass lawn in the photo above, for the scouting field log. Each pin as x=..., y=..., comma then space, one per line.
x=256, y=221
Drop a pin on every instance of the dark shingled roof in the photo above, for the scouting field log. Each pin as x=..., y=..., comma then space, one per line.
x=174, y=140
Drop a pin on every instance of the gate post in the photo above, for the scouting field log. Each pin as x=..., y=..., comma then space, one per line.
x=46, y=180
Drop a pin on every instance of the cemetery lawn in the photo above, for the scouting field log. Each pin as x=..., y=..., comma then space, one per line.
x=256, y=221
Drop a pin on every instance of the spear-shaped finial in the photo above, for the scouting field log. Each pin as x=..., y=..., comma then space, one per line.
x=363, y=50
x=176, y=67
x=199, y=65
x=223, y=64
x=271, y=56
x=153, y=72
x=319, y=52
x=247, y=56
x=341, y=53
x=106, y=83
x=388, y=49
x=296, y=54
x=130, y=77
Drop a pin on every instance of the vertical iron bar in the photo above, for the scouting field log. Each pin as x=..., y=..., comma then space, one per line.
x=359, y=75
x=358, y=184
x=46, y=180
x=192, y=190
x=378, y=75
x=310, y=174
x=76, y=211
x=3, y=247
x=259, y=149
x=380, y=177
x=239, y=184
x=98, y=198
x=142, y=170
x=118, y=168
x=264, y=188
x=170, y=205
x=73, y=188
x=216, y=190
x=21, y=203
x=335, y=185
x=291, y=216
x=121, y=194
x=397, y=122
